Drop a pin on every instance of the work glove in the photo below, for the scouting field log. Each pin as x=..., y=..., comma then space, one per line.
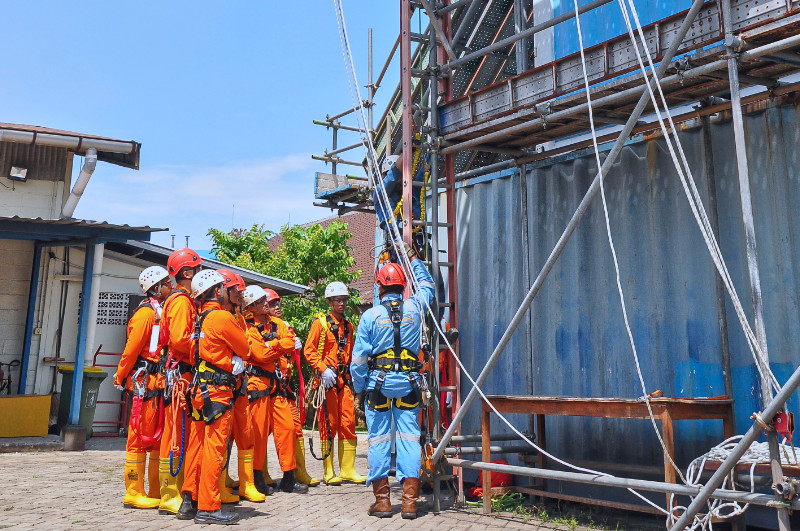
x=298, y=345
x=238, y=365
x=448, y=399
x=360, y=400
x=119, y=387
x=410, y=251
x=329, y=379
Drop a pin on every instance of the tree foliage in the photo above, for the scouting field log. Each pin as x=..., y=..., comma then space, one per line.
x=312, y=256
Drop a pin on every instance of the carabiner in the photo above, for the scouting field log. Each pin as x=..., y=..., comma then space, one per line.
x=138, y=387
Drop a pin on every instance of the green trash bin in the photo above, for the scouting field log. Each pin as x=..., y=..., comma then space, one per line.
x=92, y=378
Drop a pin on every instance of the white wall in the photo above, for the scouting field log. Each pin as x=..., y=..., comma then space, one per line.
x=31, y=199
x=16, y=260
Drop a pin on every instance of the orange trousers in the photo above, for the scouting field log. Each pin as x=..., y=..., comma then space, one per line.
x=260, y=418
x=298, y=428
x=242, y=424
x=341, y=414
x=283, y=433
x=148, y=423
x=170, y=428
x=209, y=446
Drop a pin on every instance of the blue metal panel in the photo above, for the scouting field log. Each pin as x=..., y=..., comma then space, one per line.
x=579, y=343
x=29, y=319
x=83, y=324
x=605, y=22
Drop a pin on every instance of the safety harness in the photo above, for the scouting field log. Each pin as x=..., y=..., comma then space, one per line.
x=327, y=323
x=209, y=374
x=140, y=374
x=279, y=385
x=395, y=359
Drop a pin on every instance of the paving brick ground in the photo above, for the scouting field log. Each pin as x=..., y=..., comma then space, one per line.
x=84, y=490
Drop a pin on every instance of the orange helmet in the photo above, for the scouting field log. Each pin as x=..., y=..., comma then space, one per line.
x=272, y=295
x=182, y=258
x=231, y=279
x=391, y=274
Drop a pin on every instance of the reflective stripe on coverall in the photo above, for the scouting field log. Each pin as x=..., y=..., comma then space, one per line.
x=376, y=335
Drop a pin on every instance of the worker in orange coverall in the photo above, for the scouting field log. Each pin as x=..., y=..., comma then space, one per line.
x=270, y=340
x=242, y=425
x=219, y=347
x=177, y=325
x=329, y=349
x=138, y=374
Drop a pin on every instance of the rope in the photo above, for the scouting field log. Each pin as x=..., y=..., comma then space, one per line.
x=178, y=406
x=645, y=394
x=316, y=399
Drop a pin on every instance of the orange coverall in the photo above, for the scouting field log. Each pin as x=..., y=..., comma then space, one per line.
x=140, y=329
x=223, y=338
x=339, y=400
x=177, y=325
x=242, y=424
x=271, y=413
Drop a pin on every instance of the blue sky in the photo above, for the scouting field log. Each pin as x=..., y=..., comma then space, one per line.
x=221, y=96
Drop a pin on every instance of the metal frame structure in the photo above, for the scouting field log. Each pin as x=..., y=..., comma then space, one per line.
x=485, y=105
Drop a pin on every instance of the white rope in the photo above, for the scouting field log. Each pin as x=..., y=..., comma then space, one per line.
x=695, y=201
x=645, y=394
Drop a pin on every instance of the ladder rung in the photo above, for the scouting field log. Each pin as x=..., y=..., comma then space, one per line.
x=442, y=186
x=445, y=305
x=417, y=222
x=448, y=388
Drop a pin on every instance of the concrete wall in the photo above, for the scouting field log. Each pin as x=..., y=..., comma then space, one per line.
x=31, y=199
x=16, y=258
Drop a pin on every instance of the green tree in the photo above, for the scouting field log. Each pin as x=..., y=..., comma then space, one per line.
x=312, y=256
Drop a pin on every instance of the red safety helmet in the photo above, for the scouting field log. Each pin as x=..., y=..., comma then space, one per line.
x=182, y=258
x=272, y=295
x=231, y=279
x=391, y=274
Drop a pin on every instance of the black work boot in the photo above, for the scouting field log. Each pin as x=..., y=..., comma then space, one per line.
x=216, y=517
x=261, y=485
x=289, y=484
x=188, y=508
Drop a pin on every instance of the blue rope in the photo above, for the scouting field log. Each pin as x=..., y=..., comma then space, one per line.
x=183, y=441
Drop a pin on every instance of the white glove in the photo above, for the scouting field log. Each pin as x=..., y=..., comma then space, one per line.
x=119, y=387
x=238, y=365
x=448, y=399
x=298, y=345
x=329, y=379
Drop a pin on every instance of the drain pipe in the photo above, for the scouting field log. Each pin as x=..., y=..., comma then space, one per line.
x=94, y=299
x=80, y=183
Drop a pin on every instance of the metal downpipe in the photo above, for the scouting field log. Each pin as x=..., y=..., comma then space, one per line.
x=80, y=183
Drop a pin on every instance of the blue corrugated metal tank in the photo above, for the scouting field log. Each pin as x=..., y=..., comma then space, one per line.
x=605, y=22
x=579, y=346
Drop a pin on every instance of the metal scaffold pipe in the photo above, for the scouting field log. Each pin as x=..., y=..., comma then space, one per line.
x=752, y=434
x=521, y=35
x=623, y=483
x=571, y=226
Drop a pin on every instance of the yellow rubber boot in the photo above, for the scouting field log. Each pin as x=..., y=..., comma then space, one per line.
x=225, y=494
x=170, y=490
x=153, y=483
x=247, y=487
x=265, y=471
x=135, y=497
x=300, y=473
x=328, y=475
x=347, y=462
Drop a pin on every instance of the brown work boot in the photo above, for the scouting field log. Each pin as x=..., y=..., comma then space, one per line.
x=382, y=508
x=410, y=495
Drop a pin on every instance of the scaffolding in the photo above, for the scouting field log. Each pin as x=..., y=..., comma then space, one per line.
x=474, y=97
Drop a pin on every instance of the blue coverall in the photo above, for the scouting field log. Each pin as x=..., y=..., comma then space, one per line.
x=393, y=183
x=376, y=335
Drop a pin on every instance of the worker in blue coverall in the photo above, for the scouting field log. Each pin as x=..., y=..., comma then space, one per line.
x=386, y=366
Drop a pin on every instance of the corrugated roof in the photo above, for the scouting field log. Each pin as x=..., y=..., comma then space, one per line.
x=16, y=227
x=130, y=160
x=283, y=287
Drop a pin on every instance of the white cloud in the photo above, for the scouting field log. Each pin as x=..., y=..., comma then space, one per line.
x=190, y=200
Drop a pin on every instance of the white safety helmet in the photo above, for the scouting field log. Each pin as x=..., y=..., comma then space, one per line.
x=252, y=294
x=336, y=289
x=388, y=161
x=151, y=276
x=205, y=280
